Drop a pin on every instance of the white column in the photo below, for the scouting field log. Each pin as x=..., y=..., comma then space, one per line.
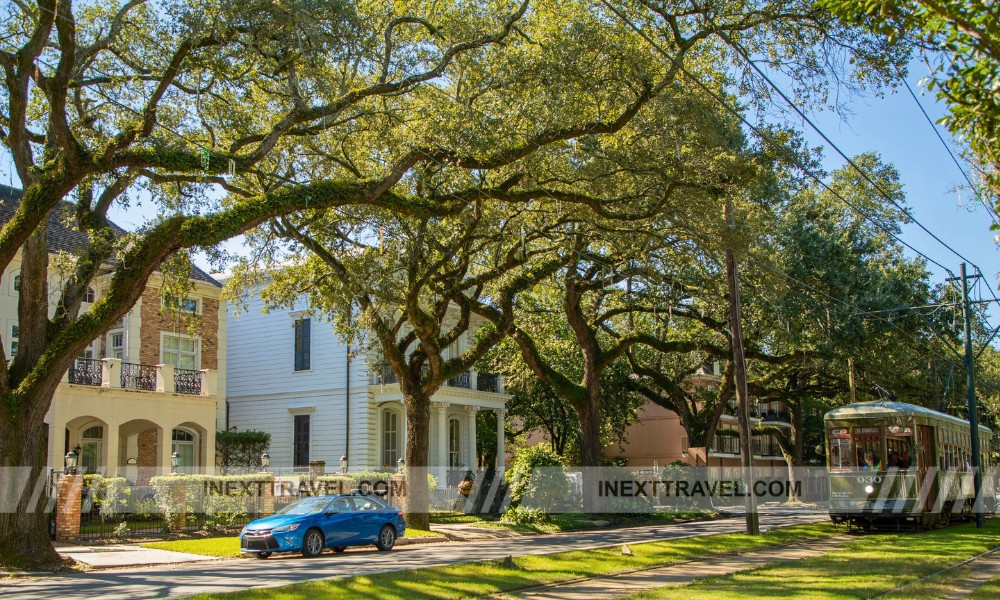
x=165, y=443
x=441, y=412
x=111, y=373
x=165, y=378
x=470, y=437
x=111, y=450
x=501, y=459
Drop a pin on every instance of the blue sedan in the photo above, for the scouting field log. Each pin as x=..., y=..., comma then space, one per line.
x=336, y=522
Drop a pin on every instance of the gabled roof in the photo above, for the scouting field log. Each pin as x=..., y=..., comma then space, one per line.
x=62, y=236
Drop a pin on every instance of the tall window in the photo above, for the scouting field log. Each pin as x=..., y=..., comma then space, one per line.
x=92, y=449
x=89, y=295
x=116, y=344
x=390, y=438
x=454, y=443
x=183, y=444
x=302, y=344
x=300, y=440
x=17, y=282
x=179, y=351
x=15, y=334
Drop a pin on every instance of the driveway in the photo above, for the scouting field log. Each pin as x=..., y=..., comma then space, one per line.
x=231, y=575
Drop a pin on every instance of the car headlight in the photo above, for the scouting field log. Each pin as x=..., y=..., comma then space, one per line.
x=244, y=530
x=286, y=528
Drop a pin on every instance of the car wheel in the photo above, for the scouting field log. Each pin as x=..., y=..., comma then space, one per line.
x=312, y=543
x=386, y=538
x=339, y=549
x=262, y=555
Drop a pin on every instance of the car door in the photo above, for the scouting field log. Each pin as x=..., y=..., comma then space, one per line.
x=371, y=517
x=338, y=522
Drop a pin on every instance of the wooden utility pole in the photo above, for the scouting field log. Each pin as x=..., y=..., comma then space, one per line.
x=850, y=379
x=740, y=376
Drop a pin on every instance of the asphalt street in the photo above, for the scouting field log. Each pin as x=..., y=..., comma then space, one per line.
x=171, y=581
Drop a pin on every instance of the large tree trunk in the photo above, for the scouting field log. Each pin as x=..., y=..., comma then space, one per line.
x=24, y=523
x=590, y=447
x=418, y=420
x=798, y=441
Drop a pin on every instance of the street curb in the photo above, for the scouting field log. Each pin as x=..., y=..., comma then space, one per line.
x=435, y=539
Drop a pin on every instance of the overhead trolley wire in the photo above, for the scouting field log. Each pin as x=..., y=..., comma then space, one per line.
x=764, y=136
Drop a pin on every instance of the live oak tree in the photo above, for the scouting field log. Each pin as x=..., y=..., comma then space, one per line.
x=405, y=290
x=216, y=114
x=807, y=295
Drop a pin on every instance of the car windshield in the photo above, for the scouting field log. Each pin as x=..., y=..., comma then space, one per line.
x=306, y=506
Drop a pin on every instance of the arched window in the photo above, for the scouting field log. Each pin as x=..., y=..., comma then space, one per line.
x=184, y=446
x=390, y=438
x=92, y=449
x=454, y=443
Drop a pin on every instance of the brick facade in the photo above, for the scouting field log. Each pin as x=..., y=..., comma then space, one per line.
x=155, y=319
x=146, y=461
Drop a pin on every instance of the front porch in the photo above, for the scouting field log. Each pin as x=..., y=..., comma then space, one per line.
x=453, y=429
x=125, y=419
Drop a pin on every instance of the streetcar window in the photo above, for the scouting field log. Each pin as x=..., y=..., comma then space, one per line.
x=868, y=448
x=899, y=447
x=840, y=453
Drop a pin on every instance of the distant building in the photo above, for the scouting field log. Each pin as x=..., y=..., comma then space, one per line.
x=292, y=377
x=150, y=386
x=658, y=438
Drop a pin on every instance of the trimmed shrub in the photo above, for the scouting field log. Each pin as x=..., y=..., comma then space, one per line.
x=537, y=477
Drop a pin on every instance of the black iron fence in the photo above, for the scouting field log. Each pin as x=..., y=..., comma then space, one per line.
x=139, y=377
x=85, y=371
x=462, y=380
x=187, y=381
x=488, y=382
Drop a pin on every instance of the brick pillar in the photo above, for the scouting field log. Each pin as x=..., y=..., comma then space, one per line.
x=317, y=468
x=178, y=496
x=267, y=494
x=397, y=492
x=68, y=497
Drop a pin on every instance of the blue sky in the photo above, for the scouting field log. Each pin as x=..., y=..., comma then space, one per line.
x=936, y=191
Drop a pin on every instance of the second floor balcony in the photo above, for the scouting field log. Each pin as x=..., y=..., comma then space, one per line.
x=112, y=373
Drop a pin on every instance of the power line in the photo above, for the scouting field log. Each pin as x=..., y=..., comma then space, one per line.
x=764, y=136
x=743, y=53
x=989, y=210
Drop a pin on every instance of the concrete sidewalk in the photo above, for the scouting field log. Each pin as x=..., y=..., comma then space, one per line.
x=126, y=555
x=626, y=584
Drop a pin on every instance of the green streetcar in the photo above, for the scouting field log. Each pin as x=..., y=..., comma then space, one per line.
x=894, y=465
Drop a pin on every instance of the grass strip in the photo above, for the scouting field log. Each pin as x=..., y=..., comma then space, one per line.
x=493, y=577
x=561, y=522
x=223, y=547
x=872, y=565
x=229, y=547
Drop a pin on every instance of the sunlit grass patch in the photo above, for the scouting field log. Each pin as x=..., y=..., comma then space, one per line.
x=493, y=577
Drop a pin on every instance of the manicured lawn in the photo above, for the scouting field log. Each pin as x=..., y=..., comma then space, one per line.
x=492, y=577
x=223, y=547
x=871, y=565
